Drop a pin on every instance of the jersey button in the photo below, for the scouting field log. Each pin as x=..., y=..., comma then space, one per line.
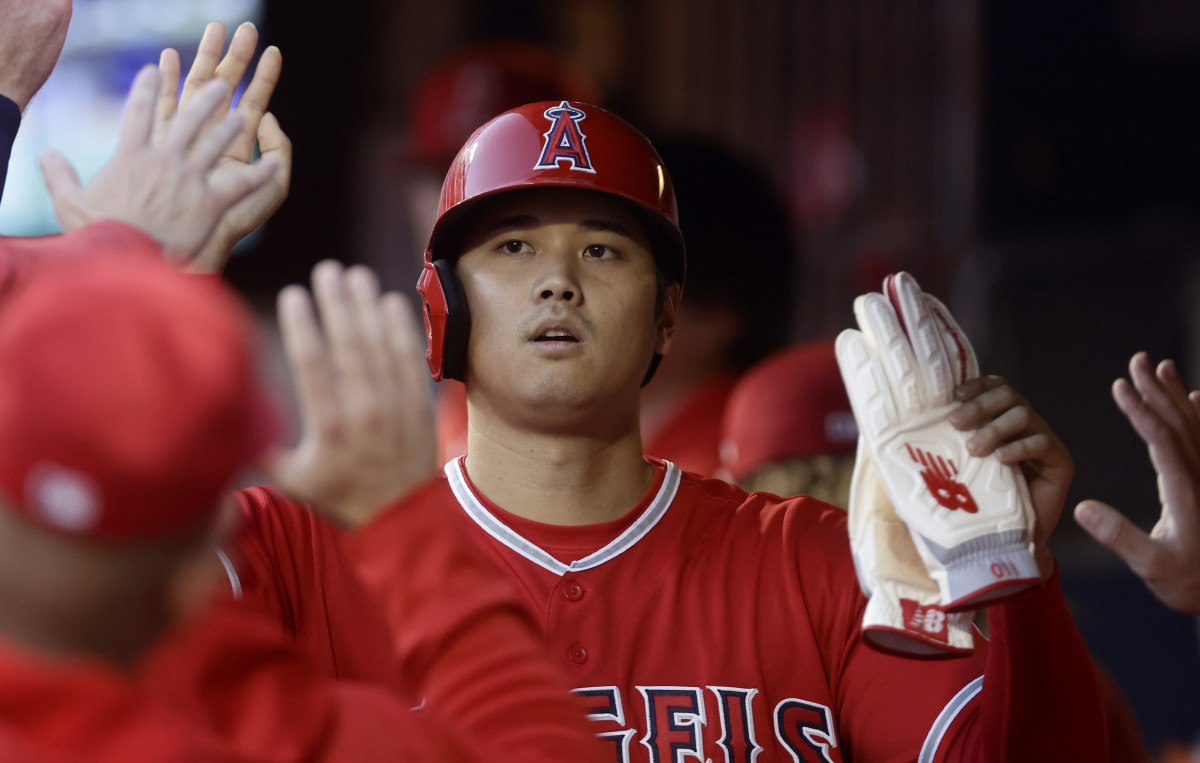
x=577, y=654
x=573, y=592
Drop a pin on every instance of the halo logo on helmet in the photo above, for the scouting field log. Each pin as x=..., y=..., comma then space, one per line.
x=565, y=141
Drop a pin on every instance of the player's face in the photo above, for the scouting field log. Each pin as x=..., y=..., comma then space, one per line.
x=561, y=285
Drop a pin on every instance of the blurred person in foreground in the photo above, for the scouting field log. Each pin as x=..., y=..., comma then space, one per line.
x=128, y=404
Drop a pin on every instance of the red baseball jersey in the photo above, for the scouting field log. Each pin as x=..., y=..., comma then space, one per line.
x=420, y=613
x=225, y=687
x=712, y=624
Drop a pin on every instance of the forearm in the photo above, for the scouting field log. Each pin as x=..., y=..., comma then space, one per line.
x=469, y=648
x=1040, y=699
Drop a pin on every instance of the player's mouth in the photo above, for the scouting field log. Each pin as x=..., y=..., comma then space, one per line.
x=555, y=335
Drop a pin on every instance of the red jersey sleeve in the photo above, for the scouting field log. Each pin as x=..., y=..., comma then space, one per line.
x=1030, y=694
x=290, y=563
x=467, y=642
x=232, y=675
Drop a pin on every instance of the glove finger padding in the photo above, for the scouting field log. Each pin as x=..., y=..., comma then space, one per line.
x=970, y=518
x=903, y=614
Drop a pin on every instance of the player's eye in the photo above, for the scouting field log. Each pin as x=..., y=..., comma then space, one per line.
x=515, y=246
x=599, y=251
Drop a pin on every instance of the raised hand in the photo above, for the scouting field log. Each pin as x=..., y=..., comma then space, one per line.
x=1006, y=424
x=168, y=190
x=31, y=38
x=368, y=429
x=257, y=124
x=1167, y=419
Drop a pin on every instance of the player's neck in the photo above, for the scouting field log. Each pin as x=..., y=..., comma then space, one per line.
x=549, y=477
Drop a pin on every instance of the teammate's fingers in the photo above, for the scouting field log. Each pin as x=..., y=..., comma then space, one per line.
x=1184, y=418
x=307, y=358
x=1115, y=532
x=412, y=390
x=235, y=186
x=61, y=180
x=1178, y=472
x=363, y=287
x=255, y=100
x=345, y=340
x=211, y=144
x=208, y=55
x=194, y=114
x=168, y=91
x=973, y=388
x=238, y=57
x=986, y=398
x=138, y=118
x=406, y=344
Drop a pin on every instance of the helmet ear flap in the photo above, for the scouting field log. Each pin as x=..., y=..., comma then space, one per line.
x=447, y=320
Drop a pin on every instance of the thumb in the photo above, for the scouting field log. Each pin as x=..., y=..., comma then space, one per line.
x=1112, y=530
x=65, y=190
x=58, y=174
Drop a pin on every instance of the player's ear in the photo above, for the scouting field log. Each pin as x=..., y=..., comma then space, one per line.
x=668, y=317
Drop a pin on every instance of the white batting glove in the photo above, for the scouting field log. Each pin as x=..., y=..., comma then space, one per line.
x=970, y=518
x=903, y=614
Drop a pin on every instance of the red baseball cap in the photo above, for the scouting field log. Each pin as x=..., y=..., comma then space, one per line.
x=791, y=404
x=128, y=397
x=20, y=254
x=474, y=84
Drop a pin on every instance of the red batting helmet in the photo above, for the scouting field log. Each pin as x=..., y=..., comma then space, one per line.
x=556, y=144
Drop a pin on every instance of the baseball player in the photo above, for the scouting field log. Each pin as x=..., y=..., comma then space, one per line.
x=696, y=620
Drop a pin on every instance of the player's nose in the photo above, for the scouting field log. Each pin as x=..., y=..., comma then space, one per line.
x=558, y=278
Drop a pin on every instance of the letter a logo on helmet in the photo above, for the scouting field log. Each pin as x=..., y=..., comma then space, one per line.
x=564, y=140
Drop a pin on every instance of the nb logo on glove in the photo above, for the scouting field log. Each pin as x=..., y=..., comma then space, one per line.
x=918, y=617
x=939, y=474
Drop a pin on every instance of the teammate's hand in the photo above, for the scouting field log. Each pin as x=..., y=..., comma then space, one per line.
x=31, y=38
x=368, y=428
x=1007, y=425
x=257, y=123
x=167, y=190
x=1167, y=419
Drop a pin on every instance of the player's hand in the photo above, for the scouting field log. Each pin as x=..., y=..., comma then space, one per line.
x=1168, y=421
x=31, y=38
x=1004, y=423
x=258, y=124
x=167, y=190
x=368, y=428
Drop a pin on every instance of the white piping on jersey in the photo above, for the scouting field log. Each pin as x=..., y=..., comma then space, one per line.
x=948, y=714
x=235, y=583
x=509, y=537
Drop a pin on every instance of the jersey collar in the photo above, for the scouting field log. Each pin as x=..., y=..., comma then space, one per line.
x=460, y=485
